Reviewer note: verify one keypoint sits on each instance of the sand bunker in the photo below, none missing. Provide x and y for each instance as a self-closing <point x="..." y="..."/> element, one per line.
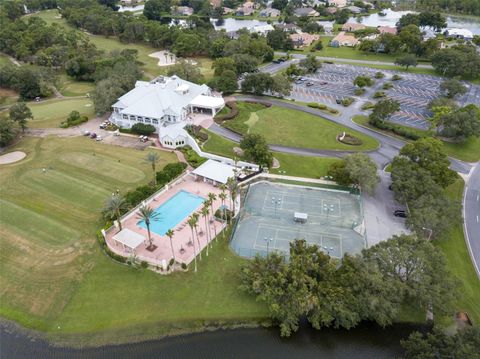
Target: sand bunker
<point x="12" y="157"/>
<point x="165" y="58"/>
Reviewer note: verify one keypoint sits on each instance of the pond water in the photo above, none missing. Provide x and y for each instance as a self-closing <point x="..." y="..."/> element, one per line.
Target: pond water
<point x="391" y="18"/>
<point x="366" y="341"/>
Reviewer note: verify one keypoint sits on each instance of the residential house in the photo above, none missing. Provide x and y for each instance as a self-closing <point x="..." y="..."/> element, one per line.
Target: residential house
<point x="269" y="12"/>
<point x="459" y="34"/>
<point x="331" y="10"/>
<point x="306" y="11"/>
<point x="227" y="10"/>
<point x="355" y="9"/>
<point x="342" y="39"/>
<point x="387" y="30"/>
<point x="327" y="26"/>
<point x="338" y="3"/>
<point x="261" y="29"/>
<point x="303" y="39"/>
<point x="165" y="103"/>
<point x="216" y="3"/>
<point x="183" y="10"/>
<point x="288" y="27"/>
<point x="352" y="27"/>
<point x="246" y="9"/>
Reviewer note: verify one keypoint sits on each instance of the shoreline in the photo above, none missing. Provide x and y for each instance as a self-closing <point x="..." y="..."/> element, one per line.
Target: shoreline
<point x="105" y="338"/>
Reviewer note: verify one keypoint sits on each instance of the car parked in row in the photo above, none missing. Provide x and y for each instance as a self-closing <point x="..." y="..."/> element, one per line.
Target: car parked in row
<point x="400" y="213"/>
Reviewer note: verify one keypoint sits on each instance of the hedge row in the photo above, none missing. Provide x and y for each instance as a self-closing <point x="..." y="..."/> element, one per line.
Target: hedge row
<point x="322" y="107"/>
<point x="232" y="105"/>
<point x="107" y="250"/>
<point x="401" y="131"/>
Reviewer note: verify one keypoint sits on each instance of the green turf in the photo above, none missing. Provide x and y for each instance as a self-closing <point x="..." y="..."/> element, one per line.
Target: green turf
<point x="69" y="87"/>
<point x="468" y="151"/>
<point x="4" y="60"/>
<point x="287" y="127"/>
<point x="291" y="165"/>
<point x="51" y="113"/>
<point x="48" y="220"/>
<point x="53" y="272"/>
<point x="459" y="262"/>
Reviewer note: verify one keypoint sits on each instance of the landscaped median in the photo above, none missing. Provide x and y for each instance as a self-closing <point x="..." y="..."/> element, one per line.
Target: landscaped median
<point x="286" y="127"/>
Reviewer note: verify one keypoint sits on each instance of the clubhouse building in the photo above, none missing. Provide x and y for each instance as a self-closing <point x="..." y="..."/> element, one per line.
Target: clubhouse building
<point x="165" y="103"/>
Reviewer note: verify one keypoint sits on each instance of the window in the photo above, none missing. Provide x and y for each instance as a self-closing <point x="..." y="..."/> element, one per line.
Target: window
<point x="140" y="119"/>
<point x="154" y="121"/>
<point x="147" y="120"/>
<point x="125" y="117"/>
<point x="132" y="118"/>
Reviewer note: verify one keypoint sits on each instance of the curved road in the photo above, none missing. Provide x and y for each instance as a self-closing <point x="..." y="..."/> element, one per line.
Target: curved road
<point x="388" y="149"/>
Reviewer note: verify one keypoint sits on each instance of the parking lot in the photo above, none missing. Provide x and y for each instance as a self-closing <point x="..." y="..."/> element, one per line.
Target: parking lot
<point x="335" y="82"/>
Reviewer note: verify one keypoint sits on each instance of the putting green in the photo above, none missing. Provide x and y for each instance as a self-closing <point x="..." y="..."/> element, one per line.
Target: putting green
<point x="51" y="113"/>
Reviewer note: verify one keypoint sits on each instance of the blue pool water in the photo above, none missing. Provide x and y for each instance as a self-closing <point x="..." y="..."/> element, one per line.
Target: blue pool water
<point x="172" y="212"/>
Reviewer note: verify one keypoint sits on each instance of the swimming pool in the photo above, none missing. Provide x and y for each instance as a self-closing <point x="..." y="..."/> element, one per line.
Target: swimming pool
<point x="172" y="212"/>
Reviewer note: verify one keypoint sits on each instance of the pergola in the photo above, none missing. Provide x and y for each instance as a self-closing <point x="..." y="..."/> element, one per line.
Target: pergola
<point x="129" y="239"/>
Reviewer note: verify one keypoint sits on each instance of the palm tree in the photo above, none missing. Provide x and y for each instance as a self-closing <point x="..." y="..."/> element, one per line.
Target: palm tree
<point x="191" y="223"/>
<point x="195" y="225"/>
<point x="205" y="212"/>
<point x="152" y="158"/>
<point x="147" y="214"/>
<point x="170" y="234"/>
<point x="223" y="197"/>
<point x="232" y="188"/>
<point x="212" y="197"/>
<point x="113" y="208"/>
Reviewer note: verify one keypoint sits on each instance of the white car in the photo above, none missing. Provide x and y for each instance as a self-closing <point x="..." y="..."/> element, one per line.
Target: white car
<point x="99" y="138"/>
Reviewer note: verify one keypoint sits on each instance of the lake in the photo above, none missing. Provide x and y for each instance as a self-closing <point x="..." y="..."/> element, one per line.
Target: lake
<point x="391" y="18"/>
<point x="365" y="341"/>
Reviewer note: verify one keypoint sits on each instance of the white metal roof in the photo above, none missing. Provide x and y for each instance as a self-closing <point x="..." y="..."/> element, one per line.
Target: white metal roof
<point x="172" y="131"/>
<point x="460" y="32"/>
<point x="129" y="238"/>
<point x="163" y="95"/>
<point x="207" y="101"/>
<point x="300" y="215"/>
<point x="216" y="171"/>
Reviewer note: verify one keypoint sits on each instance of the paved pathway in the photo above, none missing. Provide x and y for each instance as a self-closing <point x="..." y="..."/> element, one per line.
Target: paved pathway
<point x="471" y="208"/>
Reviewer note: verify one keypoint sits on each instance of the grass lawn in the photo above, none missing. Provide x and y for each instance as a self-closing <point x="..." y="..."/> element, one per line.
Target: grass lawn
<point x="293" y="165"/>
<point x="69" y="87"/>
<point x="294" y="128"/>
<point x="459" y="262"/>
<point x="468" y="151"/>
<point x="7" y="97"/>
<point x="53" y="272"/>
<point x="51" y="113"/>
<point x="4" y="60"/>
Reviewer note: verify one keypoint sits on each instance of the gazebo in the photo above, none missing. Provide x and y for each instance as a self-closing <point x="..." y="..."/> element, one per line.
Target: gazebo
<point x="129" y="240"/>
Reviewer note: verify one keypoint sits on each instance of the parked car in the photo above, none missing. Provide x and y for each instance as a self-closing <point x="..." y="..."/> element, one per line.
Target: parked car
<point x="338" y="101"/>
<point x="298" y="82"/>
<point x="309" y="84"/>
<point x="99" y="138"/>
<point x="323" y="83"/>
<point x="303" y="79"/>
<point x="86" y="133"/>
<point x="93" y="135"/>
<point x="282" y="59"/>
<point x="390" y="188"/>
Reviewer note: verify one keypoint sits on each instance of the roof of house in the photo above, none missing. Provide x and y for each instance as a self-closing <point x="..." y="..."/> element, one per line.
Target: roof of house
<point x="353" y="26"/>
<point x="325" y="23"/>
<point x="338" y="3"/>
<point x="129" y="238"/>
<point x="387" y="30"/>
<point x="344" y="38"/>
<point x="331" y="10"/>
<point x="459" y="32"/>
<point x="355" y="9"/>
<point x="261" y="28"/>
<point x="172" y="131"/>
<point x="164" y="95"/>
<point x="304" y="11"/>
<point x="216" y="171"/>
<point x="304" y="38"/>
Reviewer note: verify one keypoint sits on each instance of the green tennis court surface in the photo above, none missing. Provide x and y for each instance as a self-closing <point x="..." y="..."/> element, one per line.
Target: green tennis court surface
<point x="267" y="222"/>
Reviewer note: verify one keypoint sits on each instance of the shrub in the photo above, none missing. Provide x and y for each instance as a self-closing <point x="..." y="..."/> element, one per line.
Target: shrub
<point x="171" y="263"/>
<point x="350" y="140"/>
<point x="379" y="75"/>
<point x="379" y="94"/>
<point x="320" y="106"/>
<point x="184" y="266"/>
<point x="139" y="194"/>
<point x="107" y="250"/>
<point x="192" y="157"/>
<point x="232" y="105"/>
<point x="143" y="129"/>
<point x="333" y="111"/>
<point x="359" y="91"/>
<point x="196" y="132"/>
<point x="347" y="101"/>
<point x="401" y="131"/>
<point x="387" y="85"/>
<point x="144" y="264"/>
<point x="396" y="77"/>
<point x="74" y="119"/>
<point x="169" y="172"/>
<point x="125" y="130"/>
<point x="223" y="214"/>
<point x="368" y="106"/>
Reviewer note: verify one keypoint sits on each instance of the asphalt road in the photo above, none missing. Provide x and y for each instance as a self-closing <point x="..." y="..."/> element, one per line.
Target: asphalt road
<point x="471" y="208"/>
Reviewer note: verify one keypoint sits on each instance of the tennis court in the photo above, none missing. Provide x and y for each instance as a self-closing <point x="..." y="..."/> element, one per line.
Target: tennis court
<point x="274" y="214"/>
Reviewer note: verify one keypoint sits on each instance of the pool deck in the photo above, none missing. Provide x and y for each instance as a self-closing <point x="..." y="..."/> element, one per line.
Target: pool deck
<point x="183" y="248"/>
